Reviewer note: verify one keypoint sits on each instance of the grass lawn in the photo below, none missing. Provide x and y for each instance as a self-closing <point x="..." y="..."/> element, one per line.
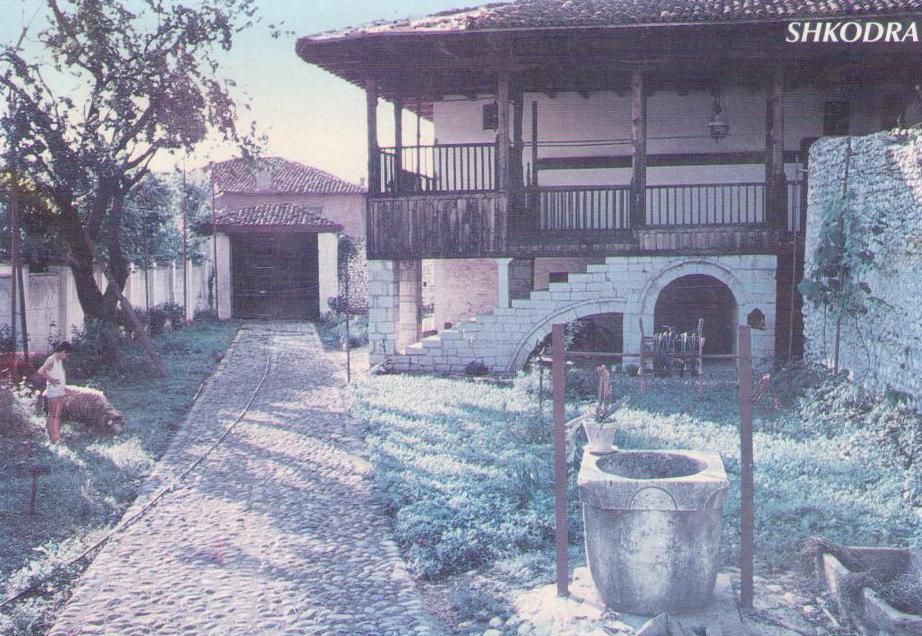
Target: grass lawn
<point x="93" y="476"/>
<point x="465" y="467"/>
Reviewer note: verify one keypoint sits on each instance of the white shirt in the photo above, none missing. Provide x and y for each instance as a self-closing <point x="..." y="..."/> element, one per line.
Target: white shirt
<point x="55" y="371"/>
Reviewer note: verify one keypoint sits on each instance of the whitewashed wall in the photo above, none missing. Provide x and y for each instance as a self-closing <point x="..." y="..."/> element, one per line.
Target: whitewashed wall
<point x="883" y="348"/>
<point x="675" y="124"/>
<point x="53" y="310"/>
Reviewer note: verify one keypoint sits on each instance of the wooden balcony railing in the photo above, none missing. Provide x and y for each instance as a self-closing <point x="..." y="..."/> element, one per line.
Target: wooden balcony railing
<point x="607" y="208"/>
<point x="444" y="168"/>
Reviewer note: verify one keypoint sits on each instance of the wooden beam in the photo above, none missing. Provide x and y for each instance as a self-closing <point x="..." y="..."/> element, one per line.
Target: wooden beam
<point x="776" y="190"/>
<point x="502" y="133"/>
<point x="534" y="143"/>
<point x="398" y="142"/>
<point x="371" y="106"/>
<point x="518" y="132"/>
<point x="639" y="150"/>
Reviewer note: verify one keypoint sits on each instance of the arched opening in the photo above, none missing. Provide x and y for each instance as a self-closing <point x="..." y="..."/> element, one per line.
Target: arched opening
<point x="686" y="300"/>
<point x="602" y="332"/>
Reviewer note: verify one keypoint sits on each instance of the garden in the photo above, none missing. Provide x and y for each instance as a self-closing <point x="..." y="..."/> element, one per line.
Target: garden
<point x="465" y="467"/>
<point x="57" y="500"/>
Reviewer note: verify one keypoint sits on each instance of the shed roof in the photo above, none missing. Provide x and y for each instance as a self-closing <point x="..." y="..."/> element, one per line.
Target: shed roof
<point x="288" y="216"/>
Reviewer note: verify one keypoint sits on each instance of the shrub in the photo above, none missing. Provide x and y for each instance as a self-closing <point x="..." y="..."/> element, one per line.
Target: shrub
<point x="476" y="369"/>
<point x="156" y="320"/>
<point x="6" y="339"/>
<point x="175" y="314"/>
<point x="205" y="315"/>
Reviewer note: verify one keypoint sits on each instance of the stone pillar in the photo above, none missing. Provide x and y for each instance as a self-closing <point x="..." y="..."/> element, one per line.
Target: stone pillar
<point x="382" y="309"/>
<point x="328" y="269"/>
<point x="410" y="303"/>
<point x="223" y="268"/>
<point x="521" y="278"/>
<point x="503" y="278"/>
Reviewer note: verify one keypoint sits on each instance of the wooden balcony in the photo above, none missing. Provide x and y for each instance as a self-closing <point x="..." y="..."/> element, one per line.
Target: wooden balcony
<point x="442" y="202"/>
<point x="594" y="220"/>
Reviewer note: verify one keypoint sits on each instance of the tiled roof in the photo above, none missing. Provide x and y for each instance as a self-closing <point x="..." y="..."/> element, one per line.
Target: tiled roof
<point x="281" y="176"/>
<point x="276" y="215"/>
<point x="530" y="14"/>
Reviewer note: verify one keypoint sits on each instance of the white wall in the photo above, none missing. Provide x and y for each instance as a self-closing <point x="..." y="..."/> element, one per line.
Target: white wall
<point x="53" y="311"/>
<point x="675" y="124"/>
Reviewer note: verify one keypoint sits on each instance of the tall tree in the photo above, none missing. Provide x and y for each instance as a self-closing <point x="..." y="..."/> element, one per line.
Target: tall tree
<point x="146" y="81"/>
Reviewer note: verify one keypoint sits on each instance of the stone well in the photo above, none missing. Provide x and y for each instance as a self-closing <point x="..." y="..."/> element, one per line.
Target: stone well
<point x="653" y="523"/>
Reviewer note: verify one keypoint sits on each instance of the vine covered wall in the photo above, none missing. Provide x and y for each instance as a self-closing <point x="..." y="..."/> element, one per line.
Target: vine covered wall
<point x="877" y="228"/>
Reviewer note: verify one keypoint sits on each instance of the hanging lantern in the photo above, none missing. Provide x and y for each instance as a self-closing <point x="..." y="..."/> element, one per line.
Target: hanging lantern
<point x="718" y="126"/>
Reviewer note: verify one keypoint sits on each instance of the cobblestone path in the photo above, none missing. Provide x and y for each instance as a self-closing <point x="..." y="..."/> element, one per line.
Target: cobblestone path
<point x="274" y="533"/>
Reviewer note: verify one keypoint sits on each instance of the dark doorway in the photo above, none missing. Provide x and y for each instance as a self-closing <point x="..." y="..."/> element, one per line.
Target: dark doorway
<point x="687" y="299"/>
<point x="275" y="276"/>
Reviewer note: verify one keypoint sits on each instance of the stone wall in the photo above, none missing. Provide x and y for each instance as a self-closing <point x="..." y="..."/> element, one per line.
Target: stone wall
<point x="503" y="338"/>
<point x="884" y="347"/>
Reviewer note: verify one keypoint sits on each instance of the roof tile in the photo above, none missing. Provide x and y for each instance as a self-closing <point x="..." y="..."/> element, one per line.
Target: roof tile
<point x="281" y="177"/>
<point x="524" y="14"/>
<point x="275" y="215"/>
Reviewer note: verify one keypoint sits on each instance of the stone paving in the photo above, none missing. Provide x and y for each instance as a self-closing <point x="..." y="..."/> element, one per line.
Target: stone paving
<point x="275" y="533"/>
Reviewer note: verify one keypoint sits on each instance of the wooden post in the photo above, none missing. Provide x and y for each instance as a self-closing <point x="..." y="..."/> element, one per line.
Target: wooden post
<point x="561" y="532"/>
<point x="639" y="144"/>
<point x="534" y="143"/>
<point x="374" y="158"/>
<point x="747" y="515"/>
<point x="502" y="132"/>
<point x="518" y="142"/>
<point x="398" y="143"/>
<point x="776" y="198"/>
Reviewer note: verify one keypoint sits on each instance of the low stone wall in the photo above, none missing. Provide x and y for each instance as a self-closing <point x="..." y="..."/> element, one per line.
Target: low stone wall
<point x="882" y="348"/>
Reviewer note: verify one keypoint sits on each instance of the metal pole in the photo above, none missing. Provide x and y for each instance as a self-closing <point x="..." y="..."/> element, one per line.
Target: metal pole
<point x="747" y="522"/>
<point x="558" y="370"/>
<point x="185" y="245"/>
<point x="793" y="299"/>
<point x="146" y="265"/>
<point x="14" y="264"/>
<point x="214" y="242"/>
<point x="22" y="306"/>
<point x="348" y="335"/>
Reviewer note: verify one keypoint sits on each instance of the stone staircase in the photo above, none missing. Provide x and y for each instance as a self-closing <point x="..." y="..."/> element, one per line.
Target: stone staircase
<point x="502" y="338"/>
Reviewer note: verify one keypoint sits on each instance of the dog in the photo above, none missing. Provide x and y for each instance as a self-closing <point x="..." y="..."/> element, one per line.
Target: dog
<point x="82" y="404"/>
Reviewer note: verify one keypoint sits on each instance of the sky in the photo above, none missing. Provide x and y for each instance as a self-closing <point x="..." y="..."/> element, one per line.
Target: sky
<point x="307" y="114"/>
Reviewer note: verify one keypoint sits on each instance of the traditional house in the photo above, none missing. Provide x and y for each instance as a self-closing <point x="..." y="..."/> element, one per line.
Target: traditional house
<point x="277" y="226"/>
<point x="637" y="162"/>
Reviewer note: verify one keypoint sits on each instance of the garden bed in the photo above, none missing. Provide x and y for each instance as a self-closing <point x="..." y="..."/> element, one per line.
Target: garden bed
<point x="465" y="468"/>
<point x="88" y="481"/>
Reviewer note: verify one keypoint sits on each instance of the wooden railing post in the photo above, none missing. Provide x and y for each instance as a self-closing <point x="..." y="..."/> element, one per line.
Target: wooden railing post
<point x="639" y="146"/>
<point x="776" y="194"/>
<point x="374" y="155"/>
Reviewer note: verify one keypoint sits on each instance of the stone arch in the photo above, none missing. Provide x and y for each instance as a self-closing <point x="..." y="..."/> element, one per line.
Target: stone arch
<point x="698" y="267"/>
<point x="568" y="313"/>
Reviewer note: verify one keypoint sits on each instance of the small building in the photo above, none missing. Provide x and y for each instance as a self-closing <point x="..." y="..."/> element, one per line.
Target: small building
<point x="277" y="225"/>
<point x="630" y="162"/>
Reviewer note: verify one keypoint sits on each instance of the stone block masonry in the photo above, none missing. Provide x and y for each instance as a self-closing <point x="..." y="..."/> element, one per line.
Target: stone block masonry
<point x="882" y="348"/>
<point x="503" y="338"/>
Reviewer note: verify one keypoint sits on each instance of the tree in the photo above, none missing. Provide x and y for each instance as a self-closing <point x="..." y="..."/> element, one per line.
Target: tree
<point x="151" y="86"/>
